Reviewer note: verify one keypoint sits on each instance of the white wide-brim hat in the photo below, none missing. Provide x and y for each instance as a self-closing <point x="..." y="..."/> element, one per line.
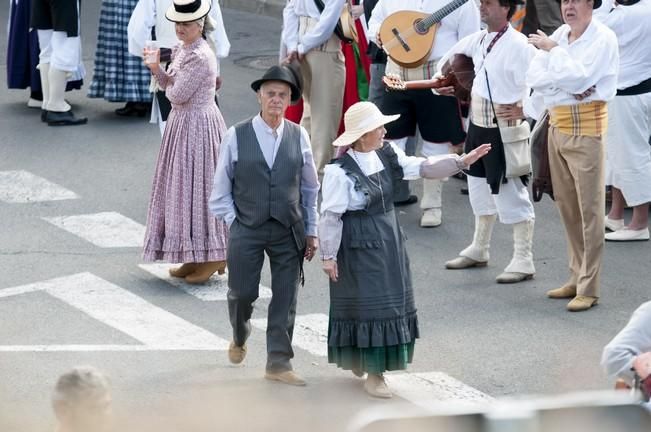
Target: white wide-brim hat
<point x="359" y="119"/>
<point x="187" y="10"/>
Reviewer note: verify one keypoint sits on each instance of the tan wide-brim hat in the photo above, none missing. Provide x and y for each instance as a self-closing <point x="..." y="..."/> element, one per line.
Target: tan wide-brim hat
<point x="359" y="119"/>
<point x="187" y="10"/>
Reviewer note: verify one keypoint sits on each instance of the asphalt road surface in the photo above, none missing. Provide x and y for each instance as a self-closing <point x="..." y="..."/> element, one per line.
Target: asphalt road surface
<point x="74" y="290"/>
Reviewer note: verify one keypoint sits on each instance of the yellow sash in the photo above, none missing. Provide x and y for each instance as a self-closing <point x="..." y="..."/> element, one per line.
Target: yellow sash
<point x="584" y="119"/>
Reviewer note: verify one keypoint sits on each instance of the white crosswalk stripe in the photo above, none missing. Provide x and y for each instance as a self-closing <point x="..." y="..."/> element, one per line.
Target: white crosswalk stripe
<point x="154" y="327"/>
<point x="18" y="187"/>
<point x="106" y="230"/>
<point x="427" y="389"/>
<point x="215" y="289"/>
<point x="310" y="332"/>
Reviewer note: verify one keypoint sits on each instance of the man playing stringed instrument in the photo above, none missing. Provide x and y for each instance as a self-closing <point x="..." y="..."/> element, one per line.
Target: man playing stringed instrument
<point x="438" y="117"/>
<point x="500" y="55"/>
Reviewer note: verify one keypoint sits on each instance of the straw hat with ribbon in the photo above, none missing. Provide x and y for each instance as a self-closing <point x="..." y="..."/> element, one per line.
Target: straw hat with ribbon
<point x="187" y="10"/>
<point x="359" y="119"/>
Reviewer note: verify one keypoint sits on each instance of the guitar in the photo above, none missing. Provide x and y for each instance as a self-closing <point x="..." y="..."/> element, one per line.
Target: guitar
<point x="458" y="72"/>
<point x="408" y="36"/>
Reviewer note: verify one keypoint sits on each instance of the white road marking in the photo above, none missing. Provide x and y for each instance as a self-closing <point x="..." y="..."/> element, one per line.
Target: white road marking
<point x="24" y="187"/>
<point x="107" y="230"/>
<point x="424" y="389"/>
<point x="427" y="389"/>
<point x="215" y="289"/>
<point x="154" y="327"/>
<point x="310" y="332"/>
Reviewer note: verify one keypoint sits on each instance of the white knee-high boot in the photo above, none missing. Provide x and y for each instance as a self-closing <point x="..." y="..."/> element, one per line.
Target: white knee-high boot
<point x="431" y="203"/>
<point x="44" y="71"/>
<point x="521" y="266"/>
<point x="476" y="255"/>
<point x="58" y="80"/>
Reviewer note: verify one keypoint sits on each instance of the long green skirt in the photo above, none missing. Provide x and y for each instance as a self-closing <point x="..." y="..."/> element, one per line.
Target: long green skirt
<point x="375" y="360"/>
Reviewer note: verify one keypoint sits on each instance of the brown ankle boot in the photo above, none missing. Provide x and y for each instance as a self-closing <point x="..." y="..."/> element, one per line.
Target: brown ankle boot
<point x="183" y="270"/>
<point x="203" y="271"/>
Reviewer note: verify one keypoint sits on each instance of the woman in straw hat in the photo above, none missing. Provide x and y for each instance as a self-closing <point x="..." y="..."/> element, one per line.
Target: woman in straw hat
<point x="180" y="228"/>
<point x="373" y="323"/>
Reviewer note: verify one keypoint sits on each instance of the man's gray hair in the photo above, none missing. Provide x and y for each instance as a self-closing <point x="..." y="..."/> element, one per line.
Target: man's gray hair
<point x="80" y="383"/>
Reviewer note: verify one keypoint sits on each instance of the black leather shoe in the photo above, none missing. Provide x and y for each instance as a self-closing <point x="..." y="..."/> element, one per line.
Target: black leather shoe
<point x="133" y="109"/>
<point x="66" y="118"/>
<point x="43" y="115"/>
<point x="413" y="199"/>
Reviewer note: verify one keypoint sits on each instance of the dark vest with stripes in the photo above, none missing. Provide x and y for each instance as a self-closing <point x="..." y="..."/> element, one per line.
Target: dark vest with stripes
<point x="261" y="193"/>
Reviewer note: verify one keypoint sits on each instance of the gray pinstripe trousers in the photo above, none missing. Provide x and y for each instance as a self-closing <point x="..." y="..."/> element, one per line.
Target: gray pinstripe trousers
<point x="246" y="249"/>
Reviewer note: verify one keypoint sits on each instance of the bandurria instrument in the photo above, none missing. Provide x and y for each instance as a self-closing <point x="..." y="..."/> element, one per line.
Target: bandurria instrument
<point x="458" y="72"/>
<point x="408" y="36"/>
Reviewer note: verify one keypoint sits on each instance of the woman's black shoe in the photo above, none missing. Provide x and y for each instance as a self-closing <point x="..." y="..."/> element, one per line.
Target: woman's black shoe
<point x="134" y="109"/>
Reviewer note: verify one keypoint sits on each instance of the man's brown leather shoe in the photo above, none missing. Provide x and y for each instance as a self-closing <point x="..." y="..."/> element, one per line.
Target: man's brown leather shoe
<point x="566" y="291"/>
<point x="286" y="377"/>
<point x="581" y="303"/>
<point x="236" y="353"/>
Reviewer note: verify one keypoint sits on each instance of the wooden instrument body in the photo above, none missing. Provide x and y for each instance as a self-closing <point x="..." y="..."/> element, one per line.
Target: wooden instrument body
<point x="458" y="72"/>
<point x="401" y="40"/>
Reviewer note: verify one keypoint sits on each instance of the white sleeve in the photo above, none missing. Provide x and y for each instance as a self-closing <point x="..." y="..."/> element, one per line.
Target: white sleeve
<point x="576" y="76"/>
<point x="465" y="46"/>
<point x="143" y="19"/>
<point x="219" y="36"/>
<point x="323" y="30"/>
<point x="632" y="340"/>
<point x="375" y="22"/>
<point x="289" y="36"/>
<point x="335" y="190"/>
<point x="410" y="164"/>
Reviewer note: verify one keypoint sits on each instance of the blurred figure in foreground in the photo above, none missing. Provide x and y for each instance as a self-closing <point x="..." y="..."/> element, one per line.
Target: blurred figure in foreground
<point x="628" y="356"/>
<point x="82" y="401"/>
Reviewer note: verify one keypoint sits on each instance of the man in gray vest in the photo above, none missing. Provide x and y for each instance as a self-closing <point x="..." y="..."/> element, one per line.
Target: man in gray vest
<point x="266" y="189"/>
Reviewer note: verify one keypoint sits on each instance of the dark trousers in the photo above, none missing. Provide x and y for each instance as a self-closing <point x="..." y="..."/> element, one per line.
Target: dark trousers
<point x="246" y="249"/>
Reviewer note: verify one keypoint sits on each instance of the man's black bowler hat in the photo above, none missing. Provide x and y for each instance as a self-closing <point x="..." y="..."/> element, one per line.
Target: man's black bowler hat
<point x="283" y="74"/>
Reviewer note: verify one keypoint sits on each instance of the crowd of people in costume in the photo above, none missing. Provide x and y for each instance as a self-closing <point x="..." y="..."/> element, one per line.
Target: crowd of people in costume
<point x="226" y="197"/>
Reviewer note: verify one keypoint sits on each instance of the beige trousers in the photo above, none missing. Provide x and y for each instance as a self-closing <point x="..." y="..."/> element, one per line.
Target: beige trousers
<point x="324" y="78"/>
<point x="577" y="170"/>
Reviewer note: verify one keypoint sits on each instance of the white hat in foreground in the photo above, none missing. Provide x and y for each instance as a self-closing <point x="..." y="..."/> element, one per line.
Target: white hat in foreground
<point x="359" y="119"/>
<point x="187" y="10"/>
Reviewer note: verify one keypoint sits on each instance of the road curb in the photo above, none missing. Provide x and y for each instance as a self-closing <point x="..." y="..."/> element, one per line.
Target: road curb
<point x="272" y="8"/>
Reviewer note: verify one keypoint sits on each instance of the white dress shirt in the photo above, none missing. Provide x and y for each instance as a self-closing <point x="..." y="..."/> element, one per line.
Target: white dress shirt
<point x="506" y="64"/>
<point x="319" y="34"/>
<point x="454" y="27"/>
<point x="632" y="25"/>
<point x="221" y="199"/>
<point x="572" y="68"/>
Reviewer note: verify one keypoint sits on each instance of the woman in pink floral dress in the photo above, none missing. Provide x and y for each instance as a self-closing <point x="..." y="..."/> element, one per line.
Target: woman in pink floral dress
<point x="180" y="228"/>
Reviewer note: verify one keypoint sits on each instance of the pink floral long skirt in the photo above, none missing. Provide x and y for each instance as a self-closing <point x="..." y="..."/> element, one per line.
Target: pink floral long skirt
<point x="180" y="227"/>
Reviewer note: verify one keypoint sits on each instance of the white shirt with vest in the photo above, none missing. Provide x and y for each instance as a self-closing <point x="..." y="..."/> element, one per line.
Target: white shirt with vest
<point x="221" y="200"/>
<point x="319" y="34"/>
<point x="572" y="68"/>
<point x="506" y="64"/>
<point x="457" y="25"/>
